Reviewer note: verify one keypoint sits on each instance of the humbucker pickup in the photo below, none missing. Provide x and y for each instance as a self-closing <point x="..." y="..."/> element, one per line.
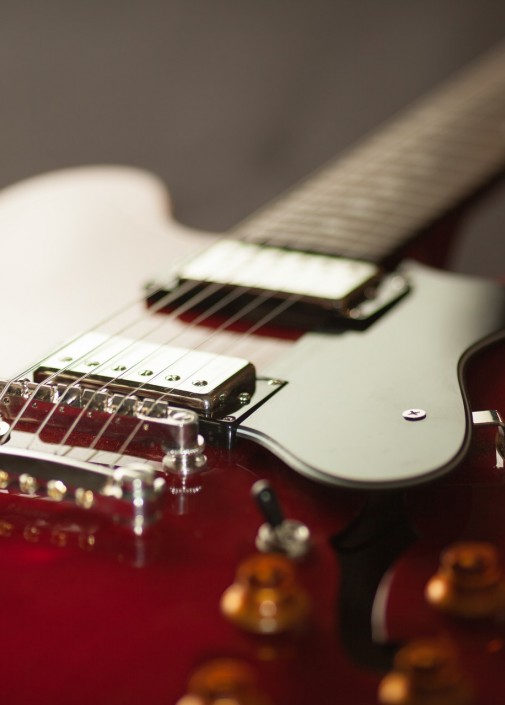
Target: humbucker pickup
<point x="301" y="288"/>
<point x="212" y="385"/>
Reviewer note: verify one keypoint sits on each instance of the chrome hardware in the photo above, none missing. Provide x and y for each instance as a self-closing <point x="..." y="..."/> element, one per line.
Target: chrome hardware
<point x="184" y="446"/>
<point x="206" y="383"/>
<point x="278" y="535"/>
<point x="414" y="414"/>
<point x="487" y="418"/>
<point x="131" y="495"/>
<point x="328" y="281"/>
<point x="313" y="284"/>
<point x="493" y="418"/>
<point x="290" y="537"/>
<point x="5" y="431"/>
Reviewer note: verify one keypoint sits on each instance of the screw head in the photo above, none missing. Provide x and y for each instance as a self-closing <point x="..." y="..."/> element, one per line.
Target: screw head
<point x="414" y="414"/>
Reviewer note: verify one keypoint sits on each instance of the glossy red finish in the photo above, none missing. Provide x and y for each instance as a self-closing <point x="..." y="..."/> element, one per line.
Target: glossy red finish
<point x="91" y="614"/>
<point x="86" y="619"/>
<point x="467" y="505"/>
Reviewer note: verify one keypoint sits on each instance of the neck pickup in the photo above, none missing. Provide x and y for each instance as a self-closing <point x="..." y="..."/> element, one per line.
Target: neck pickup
<point x="273" y="285"/>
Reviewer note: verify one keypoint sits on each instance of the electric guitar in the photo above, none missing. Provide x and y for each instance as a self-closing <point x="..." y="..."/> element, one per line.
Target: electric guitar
<point x="236" y="486"/>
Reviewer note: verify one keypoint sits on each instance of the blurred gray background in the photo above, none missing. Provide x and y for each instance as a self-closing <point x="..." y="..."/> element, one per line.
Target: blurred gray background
<point x="228" y="101"/>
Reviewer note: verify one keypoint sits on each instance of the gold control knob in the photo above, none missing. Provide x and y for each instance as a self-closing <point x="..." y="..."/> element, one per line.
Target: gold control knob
<point x="265" y="597"/>
<point x="223" y="682"/>
<point x="470" y="581"/>
<point x="425" y="672"/>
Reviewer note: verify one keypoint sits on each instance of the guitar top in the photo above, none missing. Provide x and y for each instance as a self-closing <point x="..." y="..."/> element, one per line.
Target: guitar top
<point x="265" y="468"/>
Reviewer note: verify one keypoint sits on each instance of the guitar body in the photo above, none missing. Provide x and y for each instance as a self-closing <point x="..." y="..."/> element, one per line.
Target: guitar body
<point x="93" y="613"/>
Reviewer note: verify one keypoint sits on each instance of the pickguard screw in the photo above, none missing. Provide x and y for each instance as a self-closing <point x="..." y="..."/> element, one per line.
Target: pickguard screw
<point x="172" y="378"/>
<point x="200" y="383"/>
<point x="414" y="414"/>
<point x="274" y="382"/>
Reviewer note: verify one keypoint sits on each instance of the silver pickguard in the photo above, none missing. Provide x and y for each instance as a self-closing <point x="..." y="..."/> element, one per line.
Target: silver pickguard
<point x="340" y="418"/>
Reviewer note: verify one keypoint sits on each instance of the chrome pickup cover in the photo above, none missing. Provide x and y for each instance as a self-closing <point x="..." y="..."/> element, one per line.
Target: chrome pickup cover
<point x="203" y="382"/>
<point x="329" y="282"/>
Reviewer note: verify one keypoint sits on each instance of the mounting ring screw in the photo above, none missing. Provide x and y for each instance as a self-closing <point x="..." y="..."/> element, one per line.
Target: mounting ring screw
<point x="414" y="414"/>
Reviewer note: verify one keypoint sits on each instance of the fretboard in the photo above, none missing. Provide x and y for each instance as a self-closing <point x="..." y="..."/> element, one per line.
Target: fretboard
<point x="400" y="179"/>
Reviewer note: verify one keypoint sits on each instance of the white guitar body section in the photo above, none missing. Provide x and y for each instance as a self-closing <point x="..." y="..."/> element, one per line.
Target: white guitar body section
<point x="79" y="245"/>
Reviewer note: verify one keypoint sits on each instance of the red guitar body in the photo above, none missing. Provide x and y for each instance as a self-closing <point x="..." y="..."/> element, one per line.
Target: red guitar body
<point x="91" y="613"/>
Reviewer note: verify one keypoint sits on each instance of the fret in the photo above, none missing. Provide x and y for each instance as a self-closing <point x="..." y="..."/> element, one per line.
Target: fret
<point x="337" y="226"/>
<point x="400" y="178"/>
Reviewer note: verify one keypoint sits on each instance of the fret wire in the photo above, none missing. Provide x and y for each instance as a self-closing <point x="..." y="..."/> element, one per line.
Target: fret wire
<point x="464" y="139"/>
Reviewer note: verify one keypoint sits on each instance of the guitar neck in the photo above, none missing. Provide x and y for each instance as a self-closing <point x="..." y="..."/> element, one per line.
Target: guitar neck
<point x="372" y="200"/>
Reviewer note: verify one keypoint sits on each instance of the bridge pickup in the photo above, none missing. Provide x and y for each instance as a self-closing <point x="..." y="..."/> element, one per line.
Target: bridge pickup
<point x="212" y="385"/>
<point x="314" y="288"/>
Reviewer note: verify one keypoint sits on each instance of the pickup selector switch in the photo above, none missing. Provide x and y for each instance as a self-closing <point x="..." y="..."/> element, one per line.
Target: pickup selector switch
<point x="278" y="535"/>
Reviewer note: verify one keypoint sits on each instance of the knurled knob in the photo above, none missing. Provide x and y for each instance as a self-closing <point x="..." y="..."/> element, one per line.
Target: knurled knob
<point x="426" y="672"/>
<point x="266" y="597"/>
<point x="470" y="581"/>
<point x="222" y="681"/>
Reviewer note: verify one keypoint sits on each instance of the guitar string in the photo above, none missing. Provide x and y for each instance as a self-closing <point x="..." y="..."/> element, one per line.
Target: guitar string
<point x="282" y="307"/>
<point x="482" y="86"/>
<point x="208" y="290"/>
<point x="85" y="356"/>
<point x="278" y="310"/>
<point x="137" y="363"/>
<point x="205" y="314"/>
<point x="253" y="328"/>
